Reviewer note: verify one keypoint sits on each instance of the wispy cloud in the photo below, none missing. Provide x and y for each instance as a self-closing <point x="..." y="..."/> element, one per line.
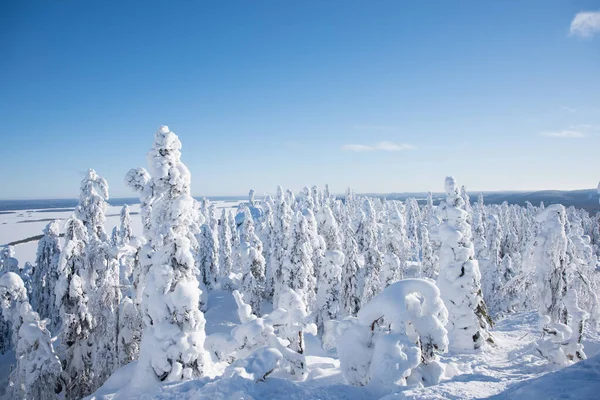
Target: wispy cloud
<point x="567" y="134"/>
<point x="585" y="24"/>
<point x="568" y="109"/>
<point x="381" y="146"/>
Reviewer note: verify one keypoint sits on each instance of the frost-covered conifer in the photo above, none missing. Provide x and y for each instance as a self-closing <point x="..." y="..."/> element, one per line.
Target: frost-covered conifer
<point x="329" y="229"/>
<point x="37" y="374"/>
<point x="208" y="254"/>
<point x="45" y="275"/>
<point x="172" y="347"/>
<point x="125" y="230"/>
<point x="413" y="224"/>
<point x="479" y="233"/>
<point x="297" y="271"/>
<point x="72" y="297"/>
<point x="129" y="333"/>
<point x="139" y="180"/>
<point x="252" y="264"/>
<point x="91" y="209"/>
<point x="429" y="260"/>
<point x="459" y="277"/>
<point x="225" y="252"/>
<point x="396" y="338"/>
<point x="279" y="242"/>
<point x="373" y="258"/>
<point x="328" y="289"/>
<point x="351" y="272"/>
<point x="558" y="306"/>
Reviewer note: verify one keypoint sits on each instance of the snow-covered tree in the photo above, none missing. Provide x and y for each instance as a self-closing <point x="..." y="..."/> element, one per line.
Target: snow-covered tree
<point x="351" y="272"/>
<point x="208" y="255"/>
<point x="373" y="258"/>
<point x="396" y="338"/>
<point x="72" y="297"/>
<point x="140" y="181"/>
<point x="429" y="260"/>
<point x="297" y="271"/>
<point x="558" y="306"/>
<point x="37" y="374"/>
<point x="129" y="332"/>
<point x="459" y="277"/>
<point x="125" y="229"/>
<point x="252" y="264"/>
<point x="45" y="275"/>
<point x="225" y="250"/>
<point x="328" y="289"/>
<point x="172" y="347"/>
<point x="91" y="208"/>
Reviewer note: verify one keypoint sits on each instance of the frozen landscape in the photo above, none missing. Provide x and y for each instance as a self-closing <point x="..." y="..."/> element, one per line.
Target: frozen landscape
<point x="297" y="295"/>
<point x="363" y="200"/>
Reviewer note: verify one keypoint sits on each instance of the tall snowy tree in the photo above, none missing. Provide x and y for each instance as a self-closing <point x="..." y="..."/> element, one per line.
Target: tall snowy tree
<point x="298" y="269"/>
<point x="225" y="251"/>
<point x="172" y="347"/>
<point x="72" y="297"/>
<point x="328" y="290"/>
<point x="37" y="374"/>
<point x="557" y="305"/>
<point x="252" y="264"/>
<point x="459" y="277"/>
<point x="45" y="275"/>
<point x="279" y="242"/>
<point x="91" y="209"/>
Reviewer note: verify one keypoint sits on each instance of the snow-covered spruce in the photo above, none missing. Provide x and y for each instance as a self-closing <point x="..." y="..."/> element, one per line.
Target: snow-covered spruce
<point x="328" y="289"/>
<point x="37" y="375"/>
<point x="72" y="298"/>
<point x="91" y="209"/>
<point x="459" y="277"/>
<point x="396" y="338"/>
<point x="252" y="264"/>
<point x="172" y="346"/>
<point x="45" y="275"/>
<point x="558" y="307"/>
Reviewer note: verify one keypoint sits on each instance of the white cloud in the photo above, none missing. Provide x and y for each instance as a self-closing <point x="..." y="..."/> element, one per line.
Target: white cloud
<point x="585" y="24"/>
<point x="568" y="109"/>
<point x="564" y="134"/>
<point x="381" y="146"/>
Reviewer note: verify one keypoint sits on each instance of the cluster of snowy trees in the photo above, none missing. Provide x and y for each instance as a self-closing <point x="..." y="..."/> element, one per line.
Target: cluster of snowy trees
<point x="389" y="285"/>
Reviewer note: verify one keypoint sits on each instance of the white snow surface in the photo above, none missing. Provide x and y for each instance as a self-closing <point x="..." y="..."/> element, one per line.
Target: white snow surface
<point x="511" y="369"/>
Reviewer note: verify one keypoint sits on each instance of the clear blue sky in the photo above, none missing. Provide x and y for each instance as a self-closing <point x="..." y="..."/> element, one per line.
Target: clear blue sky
<point x="261" y="93"/>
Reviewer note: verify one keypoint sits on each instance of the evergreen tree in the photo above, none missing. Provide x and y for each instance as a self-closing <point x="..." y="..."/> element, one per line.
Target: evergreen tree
<point x="45" y="275"/>
<point x="459" y="277"/>
<point x="173" y="339"/>
<point x="37" y="374"/>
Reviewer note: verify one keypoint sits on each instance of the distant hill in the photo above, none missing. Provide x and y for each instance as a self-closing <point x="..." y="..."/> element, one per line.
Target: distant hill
<point x="585" y="198"/>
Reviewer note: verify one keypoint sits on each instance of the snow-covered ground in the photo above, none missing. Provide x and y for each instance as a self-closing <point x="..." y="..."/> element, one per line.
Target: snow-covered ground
<point x="511" y="369"/>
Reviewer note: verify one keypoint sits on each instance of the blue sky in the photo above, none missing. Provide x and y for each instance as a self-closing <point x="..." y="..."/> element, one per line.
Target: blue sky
<point x="381" y="96"/>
